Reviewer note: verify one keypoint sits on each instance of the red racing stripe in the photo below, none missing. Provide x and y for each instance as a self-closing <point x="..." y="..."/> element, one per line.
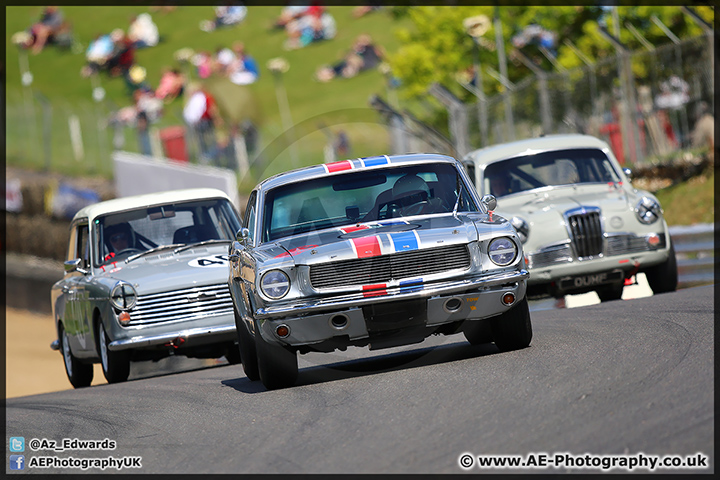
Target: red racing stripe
<point x="374" y="290"/>
<point x="367" y="246"/>
<point x="339" y="166"/>
<point x="354" y="229"/>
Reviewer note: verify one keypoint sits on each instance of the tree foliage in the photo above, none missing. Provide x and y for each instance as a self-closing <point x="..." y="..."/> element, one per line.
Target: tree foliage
<point x="437" y="47"/>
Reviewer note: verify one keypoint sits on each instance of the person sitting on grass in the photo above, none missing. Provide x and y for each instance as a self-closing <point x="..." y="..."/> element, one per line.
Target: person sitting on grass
<point x="363" y="56"/>
<point x="50" y="29"/>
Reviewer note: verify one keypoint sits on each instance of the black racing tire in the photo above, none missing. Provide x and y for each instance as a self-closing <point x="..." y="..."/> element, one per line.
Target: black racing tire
<point x="247" y="350"/>
<point x="512" y="330"/>
<point x="115" y="364"/>
<point x="478" y="332"/>
<point x="232" y="354"/>
<point x="612" y="292"/>
<point x="277" y="365"/>
<point x="80" y="374"/>
<point x="663" y="278"/>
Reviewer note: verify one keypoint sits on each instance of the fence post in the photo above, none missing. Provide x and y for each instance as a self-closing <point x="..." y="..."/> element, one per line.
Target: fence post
<point x="47" y="129"/>
<point x="545" y="113"/>
<point x="458" y="117"/>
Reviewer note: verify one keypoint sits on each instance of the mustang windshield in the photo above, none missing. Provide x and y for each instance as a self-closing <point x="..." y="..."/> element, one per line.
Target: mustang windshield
<point x="131" y="232"/>
<point x="365" y="196"/>
<point x="558" y="167"/>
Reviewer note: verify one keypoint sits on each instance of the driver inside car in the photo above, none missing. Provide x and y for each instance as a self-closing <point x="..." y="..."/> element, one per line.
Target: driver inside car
<point x="119" y="237"/>
<point x="411" y="193"/>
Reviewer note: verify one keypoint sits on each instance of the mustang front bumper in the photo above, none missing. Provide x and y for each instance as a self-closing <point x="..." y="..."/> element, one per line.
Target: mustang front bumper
<point x="314" y="321"/>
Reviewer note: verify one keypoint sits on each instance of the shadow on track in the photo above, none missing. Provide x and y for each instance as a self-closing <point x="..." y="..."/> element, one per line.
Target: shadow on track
<point x="370" y="366"/>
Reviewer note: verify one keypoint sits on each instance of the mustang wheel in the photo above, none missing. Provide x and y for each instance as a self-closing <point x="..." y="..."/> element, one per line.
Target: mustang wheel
<point x="248" y="352"/>
<point x="277" y="365"/>
<point x="611" y="292"/>
<point x="477" y="332"/>
<point x="512" y="330"/>
<point x="232" y="354"/>
<point x="664" y="277"/>
<point x="115" y="365"/>
<point x="80" y="374"/>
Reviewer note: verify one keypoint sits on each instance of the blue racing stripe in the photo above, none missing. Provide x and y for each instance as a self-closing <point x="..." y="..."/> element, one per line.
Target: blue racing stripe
<point x="404" y="241"/>
<point x="373" y="161"/>
<point x="413" y="285"/>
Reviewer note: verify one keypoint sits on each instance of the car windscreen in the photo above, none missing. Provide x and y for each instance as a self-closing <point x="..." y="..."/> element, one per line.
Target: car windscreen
<point x="119" y="235"/>
<point x="558" y="167"/>
<point x="363" y="196"/>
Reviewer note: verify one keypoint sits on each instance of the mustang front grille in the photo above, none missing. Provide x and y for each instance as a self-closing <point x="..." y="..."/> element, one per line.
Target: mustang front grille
<point x="384" y="268"/>
<point x="586" y="233"/>
<point x="178" y="305"/>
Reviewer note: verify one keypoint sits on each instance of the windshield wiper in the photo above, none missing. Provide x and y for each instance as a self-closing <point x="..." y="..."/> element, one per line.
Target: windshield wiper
<point x="457" y="201"/>
<point x="198" y="244"/>
<point x="152" y="250"/>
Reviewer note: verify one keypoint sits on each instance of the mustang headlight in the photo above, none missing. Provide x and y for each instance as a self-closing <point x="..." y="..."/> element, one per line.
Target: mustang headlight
<point x="123" y="296"/>
<point x="502" y="251"/>
<point x="275" y="284"/>
<point x="648" y="210"/>
<point x="522" y="227"/>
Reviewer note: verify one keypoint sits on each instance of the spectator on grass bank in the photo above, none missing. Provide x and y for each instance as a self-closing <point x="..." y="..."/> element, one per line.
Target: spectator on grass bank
<point x="50" y="29"/>
<point x="202" y="116"/>
<point x="362" y="10"/>
<point x="313" y="26"/>
<point x="703" y="134"/>
<point x="243" y="70"/>
<point x="363" y="56"/>
<point x="113" y="53"/>
<point x="224" y="16"/>
<point x="341" y="144"/>
<point x="172" y="83"/>
<point x="143" y="32"/>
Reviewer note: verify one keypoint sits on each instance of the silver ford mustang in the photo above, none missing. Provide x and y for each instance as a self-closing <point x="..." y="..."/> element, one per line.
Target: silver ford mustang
<point x="146" y="277"/>
<point x="379" y="252"/>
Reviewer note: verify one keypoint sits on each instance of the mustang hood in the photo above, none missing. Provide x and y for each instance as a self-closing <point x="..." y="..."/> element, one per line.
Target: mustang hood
<point x="165" y="270"/>
<point x="380" y="238"/>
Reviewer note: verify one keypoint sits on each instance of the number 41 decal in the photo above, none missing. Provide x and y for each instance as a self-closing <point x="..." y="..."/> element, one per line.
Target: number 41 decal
<point x="209" y="262"/>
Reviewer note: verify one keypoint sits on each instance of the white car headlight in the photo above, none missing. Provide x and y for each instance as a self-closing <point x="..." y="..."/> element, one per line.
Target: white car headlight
<point x="123" y="296"/>
<point x="275" y="284"/>
<point x="502" y="251"/>
<point x="522" y="228"/>
<point x="648" y="210"/>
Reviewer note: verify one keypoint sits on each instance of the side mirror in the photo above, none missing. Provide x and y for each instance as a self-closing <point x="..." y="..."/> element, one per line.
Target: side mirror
<point x="489" y="201"/>
<point x="74" y="266"/>
<point x="628" y="174"/>
<point x="242" y="236"/>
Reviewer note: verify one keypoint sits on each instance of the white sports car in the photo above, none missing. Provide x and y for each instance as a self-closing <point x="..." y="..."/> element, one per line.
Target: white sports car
<point x="583" y="225"/>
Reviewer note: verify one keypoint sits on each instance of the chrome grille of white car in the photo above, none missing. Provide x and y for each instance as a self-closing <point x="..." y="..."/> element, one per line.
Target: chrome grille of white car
<point x="181" y="305"/>
<point x="586" y="233"/>
<point x="384" y="268"/>
<point x="550" y="256"/>
<point x="629" y="243"/>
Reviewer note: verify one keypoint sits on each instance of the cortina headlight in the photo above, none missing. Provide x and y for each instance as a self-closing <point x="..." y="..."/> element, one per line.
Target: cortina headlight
<point x="522" y="228"/>
<point x="502" y="251"/>
<point x="123" y="296"/>
<point x="648" y="210"/>
<point x="275" y="284"/>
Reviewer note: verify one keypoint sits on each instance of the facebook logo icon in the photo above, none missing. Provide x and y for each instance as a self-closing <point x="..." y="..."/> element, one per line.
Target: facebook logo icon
<point x="17" y="462"/>
<point x="17" y="444"/>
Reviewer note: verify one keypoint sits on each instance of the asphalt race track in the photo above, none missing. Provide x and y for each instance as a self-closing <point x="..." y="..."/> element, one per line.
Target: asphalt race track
<point x="623" y="378"/>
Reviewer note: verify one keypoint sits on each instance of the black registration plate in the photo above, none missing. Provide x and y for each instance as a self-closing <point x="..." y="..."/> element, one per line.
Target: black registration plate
<point x="585" y="281"/>
<point x="384" y="317"/>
